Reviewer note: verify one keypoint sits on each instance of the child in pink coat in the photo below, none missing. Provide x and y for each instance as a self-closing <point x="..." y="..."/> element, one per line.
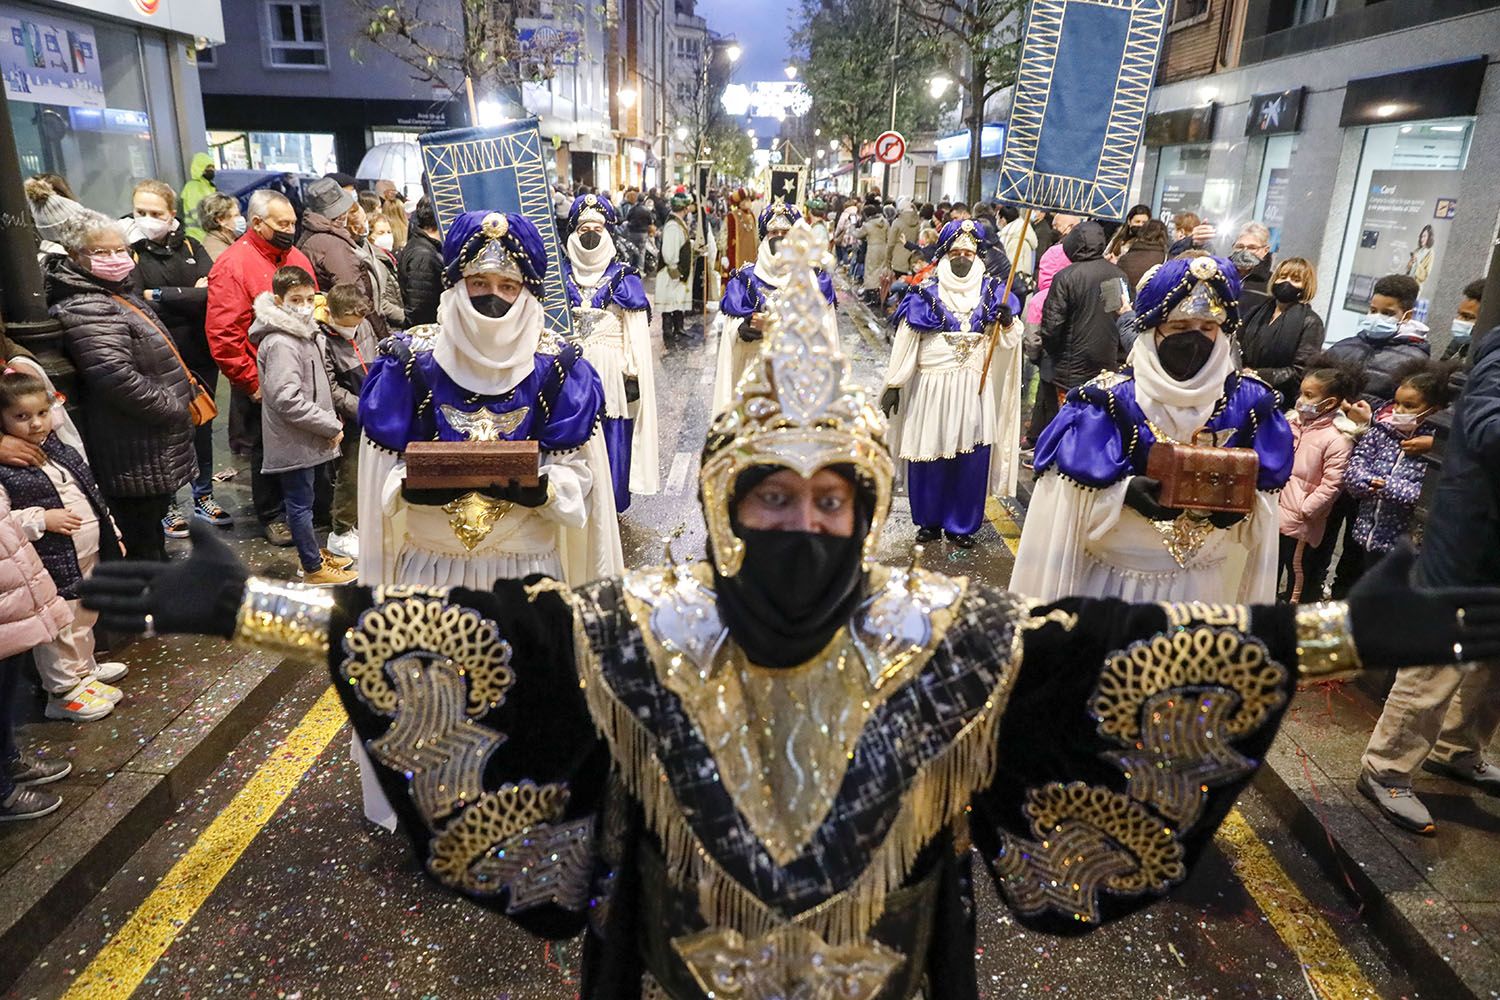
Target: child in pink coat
<point x="31" y="614"/>
<point x="1322" y="454"/>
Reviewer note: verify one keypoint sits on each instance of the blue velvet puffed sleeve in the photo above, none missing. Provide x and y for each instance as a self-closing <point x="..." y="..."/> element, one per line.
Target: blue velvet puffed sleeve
<point x="574" y="396"/>
<point x="1266" y="430"/>
<point x="740" y="299"/>
<point x="919" y="309"/>
<point x="628" y="293"/>
<point x="1083" y="442"/>
<point x="387" y="401"/>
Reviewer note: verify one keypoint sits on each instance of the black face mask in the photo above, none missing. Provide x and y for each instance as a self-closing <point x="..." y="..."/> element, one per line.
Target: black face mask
<point x="208" y="173"/>
<point x="280" y="240"/>
<point x="960" y="266"/>
<point x="773" y="242"/>
<point x="1183" y="355"/>
<point x="492" y="306"/>
<point x="1286" y="293"/>
<point x="794" y="590"/>
<point x="590" y="238"/>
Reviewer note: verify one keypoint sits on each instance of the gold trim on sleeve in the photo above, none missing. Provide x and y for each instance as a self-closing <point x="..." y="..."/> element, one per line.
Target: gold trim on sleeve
<point x="1325" y="642"/>
<point x="292" y="619"/>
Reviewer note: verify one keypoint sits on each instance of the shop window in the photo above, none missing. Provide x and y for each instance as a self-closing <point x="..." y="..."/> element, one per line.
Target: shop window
<point x="208" y="57"/>
<point x="294" y="34"/>
<point x="1187" y="11"/>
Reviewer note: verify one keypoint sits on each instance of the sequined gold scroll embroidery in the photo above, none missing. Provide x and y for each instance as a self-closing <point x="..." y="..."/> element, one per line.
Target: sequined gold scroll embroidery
<point x="785" y="965"/>
<point x="1184" y="536"/>
<point x="1188" y="613"/>
<point x="1325" y="645"/>
<point x="288" y="618"/>
<point x="510" y="810"/>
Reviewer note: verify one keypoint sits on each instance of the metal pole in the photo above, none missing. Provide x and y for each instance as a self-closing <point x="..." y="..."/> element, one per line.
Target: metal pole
<point x="885" y="190"/>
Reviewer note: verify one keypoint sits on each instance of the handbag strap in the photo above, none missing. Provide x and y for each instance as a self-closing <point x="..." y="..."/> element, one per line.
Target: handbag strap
<point x="192" y="379"/>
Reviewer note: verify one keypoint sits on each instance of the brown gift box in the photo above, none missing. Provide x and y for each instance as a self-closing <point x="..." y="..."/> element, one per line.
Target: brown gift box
<point x="1198" y="477"/>
<point x="471" y="464"/>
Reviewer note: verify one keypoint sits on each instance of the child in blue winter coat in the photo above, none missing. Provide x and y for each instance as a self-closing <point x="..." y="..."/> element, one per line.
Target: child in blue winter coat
<point x="1388" y="466"/>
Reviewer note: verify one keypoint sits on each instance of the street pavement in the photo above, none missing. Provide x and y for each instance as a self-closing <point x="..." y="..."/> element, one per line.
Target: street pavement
<point x="266" y="881"/>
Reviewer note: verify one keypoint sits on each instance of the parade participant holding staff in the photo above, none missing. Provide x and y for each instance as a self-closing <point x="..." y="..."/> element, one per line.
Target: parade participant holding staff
<point x="584" y="760"/>
<point x="746" y="296"/>
<point x="958" y="431"/>
<point x="1095" y="524"/>
<point x="612" y="323"/>
<point x="680" y="254"/>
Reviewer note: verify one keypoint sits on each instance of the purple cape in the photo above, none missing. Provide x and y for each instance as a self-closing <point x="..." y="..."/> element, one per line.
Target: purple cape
<point x="745" y="293"/>
<point x="924" y="310"/>
<point x="1100" y="436"/>
<point x="405" y="392"/>
<point x="621" y="286"/>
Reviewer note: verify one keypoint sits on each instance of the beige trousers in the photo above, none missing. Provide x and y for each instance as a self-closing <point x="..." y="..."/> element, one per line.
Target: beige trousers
<point x="1448" y="713"/>
<point x="69" y="658"/>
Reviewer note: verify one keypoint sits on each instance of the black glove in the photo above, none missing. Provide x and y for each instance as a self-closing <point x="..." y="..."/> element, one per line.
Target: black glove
<point x="1226" y="518"/>
<point x="201" y="595"/>
<point x="890" y="400"/>
<point x="632" y="388"/>
<point x="1396" y="624"/>
<point x="1143" y="494"/>
<point x="526" y="496"/>
<point x="1006" y="317"/>
<point x="748" y="333"/>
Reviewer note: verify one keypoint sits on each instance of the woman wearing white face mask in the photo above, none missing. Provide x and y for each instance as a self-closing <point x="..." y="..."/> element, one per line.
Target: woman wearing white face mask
<point x="373" y="240"/>
<point x="222" y="223"/>
<point x="171" y="273"/>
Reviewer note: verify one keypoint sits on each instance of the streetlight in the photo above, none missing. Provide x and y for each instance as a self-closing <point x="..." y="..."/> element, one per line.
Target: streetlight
<point x="791" y="72"/>
<point x="817" y="132"/>
<point x="682" y="133"/>
<point x="938" y="86"/>
<point x="733" y="52"/>
<point x="750" y="132"/>
<point x="627" y="98"/>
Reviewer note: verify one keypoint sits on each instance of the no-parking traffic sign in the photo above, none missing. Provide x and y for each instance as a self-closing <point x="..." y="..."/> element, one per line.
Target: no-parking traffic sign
<point x="890" y="147"/>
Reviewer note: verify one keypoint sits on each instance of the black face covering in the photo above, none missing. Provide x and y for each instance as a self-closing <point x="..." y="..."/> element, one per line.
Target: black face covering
<point x="794" y="590"/>
<point x="590" y="238"/>
<point x="208" y="173"/>
<point x="282" y="241"/>
<point x="492" y="306"/>
<point x="960" y="266"/>
<point x="1183" y="355"/>
<point x="1286" y="293"/>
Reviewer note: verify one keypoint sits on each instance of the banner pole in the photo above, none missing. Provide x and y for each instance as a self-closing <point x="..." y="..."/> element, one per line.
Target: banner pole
<point x="1004" y="297"/>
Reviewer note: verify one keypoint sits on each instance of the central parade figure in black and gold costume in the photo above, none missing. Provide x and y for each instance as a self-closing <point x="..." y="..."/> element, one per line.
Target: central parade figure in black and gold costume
<point x="758" y="776"/>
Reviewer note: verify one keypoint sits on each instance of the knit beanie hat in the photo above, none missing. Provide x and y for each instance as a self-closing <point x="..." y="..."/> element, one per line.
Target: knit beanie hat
<point x="49" y="210"/>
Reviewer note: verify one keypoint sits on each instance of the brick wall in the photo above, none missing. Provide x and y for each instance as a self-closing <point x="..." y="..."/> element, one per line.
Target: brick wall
<point x="1192" y="46"/>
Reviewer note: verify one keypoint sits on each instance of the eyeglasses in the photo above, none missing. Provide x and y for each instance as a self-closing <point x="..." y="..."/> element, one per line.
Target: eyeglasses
<point x="101" y="253"/>
<point x="1253" y="247"/>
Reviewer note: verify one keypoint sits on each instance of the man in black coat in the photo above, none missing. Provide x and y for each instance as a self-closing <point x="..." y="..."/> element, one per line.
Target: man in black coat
<point x="1441" y="718"/>
<point x="1080" y="338"/>
<point x="419" y="269"/>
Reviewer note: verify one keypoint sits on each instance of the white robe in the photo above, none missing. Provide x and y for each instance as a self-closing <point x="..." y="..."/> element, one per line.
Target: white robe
<point x="735" y="355"/>
<point x="676" y="295"/>
<point x="942" y="412"/>
<point x="1086" y="542"/>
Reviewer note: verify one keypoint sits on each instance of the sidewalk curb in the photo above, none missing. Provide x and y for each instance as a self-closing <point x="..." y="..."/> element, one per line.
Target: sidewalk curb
<point x="59" y="877"/>
<point x="1401" y="908"/>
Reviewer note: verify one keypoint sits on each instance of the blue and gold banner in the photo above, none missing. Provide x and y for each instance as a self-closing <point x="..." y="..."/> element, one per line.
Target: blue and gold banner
<point x="499" y="169"/>
<point x="1080" y="104"/>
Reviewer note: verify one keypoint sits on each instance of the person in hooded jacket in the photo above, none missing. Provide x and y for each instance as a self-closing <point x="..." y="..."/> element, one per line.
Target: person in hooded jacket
<point x="1079" y="335"/>
<point x="199" y="186"/>
<point x="419" y="268"/>
<point x="171" y="273"/>
<point x="135" y="394"/>
<point x="330" y="242"/>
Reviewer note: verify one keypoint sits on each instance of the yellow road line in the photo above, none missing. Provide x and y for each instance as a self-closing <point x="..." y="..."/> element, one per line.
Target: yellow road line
<point x="1329" y="967"/>
<point x="1010" y="531"/>
<point x="140" y="942"/>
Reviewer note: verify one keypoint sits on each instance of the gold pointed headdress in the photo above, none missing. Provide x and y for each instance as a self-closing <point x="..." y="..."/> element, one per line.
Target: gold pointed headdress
<point x="796" y="407"/>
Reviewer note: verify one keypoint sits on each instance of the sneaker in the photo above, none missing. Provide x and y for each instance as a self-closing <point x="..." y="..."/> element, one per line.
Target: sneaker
<point x="28" y="770"/>
<point x="344" y="543"/>
<point x="1399" y="803"/>
<point x="277" y="533"/>
<point x="108" y="692"/>
<point x="28" y="803"/>
<point x="327" y="575"/>
<point x="110" y="671"/>
<point x="174" y="525"/>
<point x="1481" y="773"/>
<point x="208" y="509"/>
<point x="78" y="706"/>
<point x="335" y="560"/>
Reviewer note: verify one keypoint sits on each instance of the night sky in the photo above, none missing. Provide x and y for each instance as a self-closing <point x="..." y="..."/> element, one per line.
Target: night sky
<point x="763" y="30"/>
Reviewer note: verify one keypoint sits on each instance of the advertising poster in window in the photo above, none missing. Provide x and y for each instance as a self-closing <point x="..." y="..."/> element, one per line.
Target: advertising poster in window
<point x="48" y="60"/>
<point x="1405" y="230"/>
<point x="1274" y="214"/>
<point x="1180" y="193"/>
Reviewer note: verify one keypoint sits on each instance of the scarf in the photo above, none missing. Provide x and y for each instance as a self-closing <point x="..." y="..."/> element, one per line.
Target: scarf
<point x="1178" y="408"/>
<point x="485" y="355"/>
<point x="589" y="265"/>
<point x="769" y="267"/>
<point x="962" y="295"/>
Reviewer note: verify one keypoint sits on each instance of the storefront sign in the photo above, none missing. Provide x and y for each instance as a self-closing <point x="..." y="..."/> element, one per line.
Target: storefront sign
<point x="1182" y="126"/>
<point x="49" y="60"/>
<point x="1272" y="114"/>
<point x="956" y="146"/>
<point x="1446" y="90"/>
<point x="1405" y="230"/>
<point x="193" y="18"/>
<point x="1181" y="193"/>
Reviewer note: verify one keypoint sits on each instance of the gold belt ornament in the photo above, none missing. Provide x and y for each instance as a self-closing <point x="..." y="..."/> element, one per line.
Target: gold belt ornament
<point x="473" y="516"/>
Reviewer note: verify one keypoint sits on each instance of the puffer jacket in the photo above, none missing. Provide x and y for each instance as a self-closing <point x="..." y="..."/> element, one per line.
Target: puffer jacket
<point x="337" y="259"/>
<point x="1385" y="514"/>
<point x="1078" y="335"/>
<point x="1053" y="260"/>
<point x="298" y="421"/>
<point x="1322" y="455"/>
<point x="31" y="612"/>
<point x="135" y="394"/>
<point x="173" y="269"/>
<point x="1379" y="357"/>
<point x="420" y="272"/>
